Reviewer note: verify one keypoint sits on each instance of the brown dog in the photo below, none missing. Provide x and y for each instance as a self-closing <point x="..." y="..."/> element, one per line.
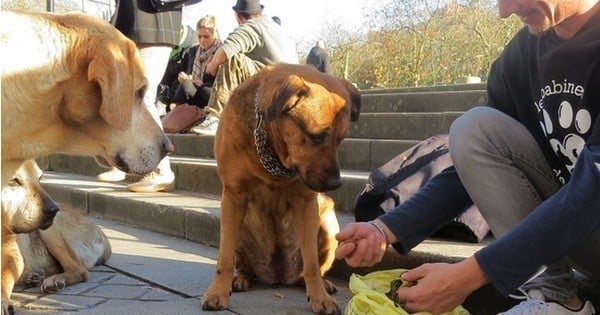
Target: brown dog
<point x="72" y="83"/>
<point x="35" y="254"/>
<point x="276" y="147"/>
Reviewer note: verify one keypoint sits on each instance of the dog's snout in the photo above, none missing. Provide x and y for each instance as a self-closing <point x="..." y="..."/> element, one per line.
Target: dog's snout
<point x="330" y="183"/>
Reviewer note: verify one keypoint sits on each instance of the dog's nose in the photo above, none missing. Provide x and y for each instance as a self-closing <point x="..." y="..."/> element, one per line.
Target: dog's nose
<point x="50" y="211"/>
<point x="334" y="183"/>
<point x="50" y="207"/>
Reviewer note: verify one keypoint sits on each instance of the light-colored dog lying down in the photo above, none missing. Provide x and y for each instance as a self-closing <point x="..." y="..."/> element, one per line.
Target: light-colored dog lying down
<point x="37" y="253"/>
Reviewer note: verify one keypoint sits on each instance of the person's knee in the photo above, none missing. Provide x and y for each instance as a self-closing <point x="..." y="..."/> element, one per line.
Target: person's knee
<point x="473" y="120"/>
<point x="466" y="129"/>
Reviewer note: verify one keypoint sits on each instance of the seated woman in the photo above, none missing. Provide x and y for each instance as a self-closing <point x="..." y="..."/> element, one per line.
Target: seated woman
<point x="194" y="85"/>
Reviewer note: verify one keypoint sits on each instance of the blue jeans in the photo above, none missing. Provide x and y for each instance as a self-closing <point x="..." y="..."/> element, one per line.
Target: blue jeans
<point x="507" y="176"/>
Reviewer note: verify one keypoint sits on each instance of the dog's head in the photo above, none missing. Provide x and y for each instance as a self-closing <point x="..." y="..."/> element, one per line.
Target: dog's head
<point x="308" y="114"/>
<point x="78" y="91"/>
<point x="114" y="75"/>
<point x="25" y="204"/>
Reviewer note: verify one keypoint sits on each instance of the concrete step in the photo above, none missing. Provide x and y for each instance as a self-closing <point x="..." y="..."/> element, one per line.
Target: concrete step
<point x="430" y="88"/>
<point x="354" y="154"/>
<point x="199" y="175"/>
<point x="413" y="126"/>
<point x="402" y="125"/>
<point x="438" y="101"/>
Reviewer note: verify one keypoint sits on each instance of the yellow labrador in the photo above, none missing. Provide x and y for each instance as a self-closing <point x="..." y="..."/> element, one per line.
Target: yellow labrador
<point x="73" y="84"/>
<point x="26" y="207"/>
<point x="34" y="252"/>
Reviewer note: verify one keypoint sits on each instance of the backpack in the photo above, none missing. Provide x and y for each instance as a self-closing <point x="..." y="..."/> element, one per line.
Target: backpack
<point x="398" y="179"/>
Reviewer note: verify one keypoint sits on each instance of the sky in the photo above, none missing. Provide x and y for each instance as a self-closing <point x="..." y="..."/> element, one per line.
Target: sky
<point x="303" y="19"/>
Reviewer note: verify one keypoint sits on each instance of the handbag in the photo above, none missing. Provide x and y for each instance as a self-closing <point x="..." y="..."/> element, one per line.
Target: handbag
<point x="181" y="118"/>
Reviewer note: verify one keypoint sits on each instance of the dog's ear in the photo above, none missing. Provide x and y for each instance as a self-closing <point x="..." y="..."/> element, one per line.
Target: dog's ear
<point x="290" y="93"/>
<point x="355" y="100"/>
<point x="112" y="69"/>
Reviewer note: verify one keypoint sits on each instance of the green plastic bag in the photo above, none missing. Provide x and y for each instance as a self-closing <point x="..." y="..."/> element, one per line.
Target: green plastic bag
<point x="370" y="299"/>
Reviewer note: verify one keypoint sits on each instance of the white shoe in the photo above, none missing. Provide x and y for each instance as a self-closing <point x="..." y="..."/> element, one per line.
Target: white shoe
<point x="208" y="126"/>
<point x="154" y="182"/>
<point x="112" y="175"/>
<point x="535" y="304"/>
<point x="161" y="108"/>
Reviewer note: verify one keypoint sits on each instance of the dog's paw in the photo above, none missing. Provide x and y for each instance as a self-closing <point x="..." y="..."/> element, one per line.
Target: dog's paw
<point x="325" y="305"/>
<point x="214" y="302"/>
<point x="35" y="278"/>
<point x="241" y="282"/>
<point x="8" y="308"/>
<point x="53" y="284"/>
<point x="329" y="286"/>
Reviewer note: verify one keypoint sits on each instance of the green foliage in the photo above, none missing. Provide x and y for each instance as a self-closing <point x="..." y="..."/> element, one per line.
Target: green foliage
<point x="413" y="43"/>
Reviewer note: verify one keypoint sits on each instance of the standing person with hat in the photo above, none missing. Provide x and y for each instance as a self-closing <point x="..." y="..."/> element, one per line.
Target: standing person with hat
<point x="258" y="41"/>
<point x="318" y="58"/>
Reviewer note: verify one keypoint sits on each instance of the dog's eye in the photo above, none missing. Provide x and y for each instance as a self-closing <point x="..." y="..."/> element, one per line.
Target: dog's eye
<point x="319" y="138"/>
<point x="139" y="94"/>
<point x="14" y="182"/>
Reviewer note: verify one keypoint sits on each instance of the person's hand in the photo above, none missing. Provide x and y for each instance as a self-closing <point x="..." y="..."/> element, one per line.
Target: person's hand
<point x="360" y="245"/>
<point x="182" y="76"/>
<point x="440" y="287"/>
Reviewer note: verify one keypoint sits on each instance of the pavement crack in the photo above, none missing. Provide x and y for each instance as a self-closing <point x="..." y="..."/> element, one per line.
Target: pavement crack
<point x="151" y="283"/>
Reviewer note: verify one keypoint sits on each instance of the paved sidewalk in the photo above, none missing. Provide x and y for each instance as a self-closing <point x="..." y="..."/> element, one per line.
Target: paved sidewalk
<point x="150" y="273"/>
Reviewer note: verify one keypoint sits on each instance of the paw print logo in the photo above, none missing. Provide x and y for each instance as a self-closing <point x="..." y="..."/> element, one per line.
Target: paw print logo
<point x="566" y="139"/>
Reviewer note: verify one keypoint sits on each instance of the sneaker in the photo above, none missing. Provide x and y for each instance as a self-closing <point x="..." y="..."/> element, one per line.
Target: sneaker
<point x="161" y="108"/>
<point x="208" y="126"/>
<point x="154" y="182"/>
<point x="535" y="304"/>
<point x="112" y="175"/>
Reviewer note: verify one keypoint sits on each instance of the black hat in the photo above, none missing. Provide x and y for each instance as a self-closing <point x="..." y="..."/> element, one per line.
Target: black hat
<point x="248" y="6"/>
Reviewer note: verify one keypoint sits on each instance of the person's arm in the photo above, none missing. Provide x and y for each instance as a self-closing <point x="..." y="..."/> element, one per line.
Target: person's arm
<point x="242" y="40"/>
<point x="218" y="59"/>
<point x="553" y="229"/>
<point x="441" y="199"/>
<point x="438" y="202"/>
